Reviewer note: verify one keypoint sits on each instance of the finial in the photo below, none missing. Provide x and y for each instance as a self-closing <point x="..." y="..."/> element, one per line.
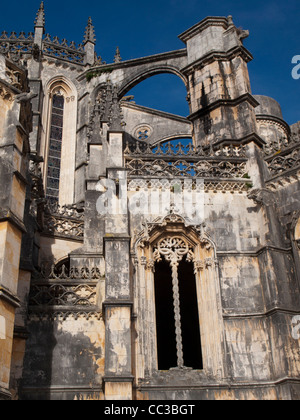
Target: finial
<point x="117" y="56"/>
<point x="40" y="17"/>
<point x="230" y="21"/>
<point x="116" y="122"/>
<point x="89" y="35"/>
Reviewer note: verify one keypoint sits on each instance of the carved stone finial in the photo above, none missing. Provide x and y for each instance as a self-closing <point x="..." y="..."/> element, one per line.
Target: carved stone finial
<point x="115" y="118"/>
<point x="118" y="58"/>
<point x="40" y="17"/>
<point x="230" y="21"/>
<point x="89" y="35"/>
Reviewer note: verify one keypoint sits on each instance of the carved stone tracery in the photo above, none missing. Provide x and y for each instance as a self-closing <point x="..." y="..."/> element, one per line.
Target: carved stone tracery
<point x="172" y="239"/>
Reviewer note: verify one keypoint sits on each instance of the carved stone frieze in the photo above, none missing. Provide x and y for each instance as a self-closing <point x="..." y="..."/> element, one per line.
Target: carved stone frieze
<point x="63" y="227"/>
<point x="206" y="185"/>
<point x="62" y="294"/>
<point x="64" y="221"/>
<point x="65" y="292"/>
<point x="56" y="315"/>
<point x="50" y="272"/>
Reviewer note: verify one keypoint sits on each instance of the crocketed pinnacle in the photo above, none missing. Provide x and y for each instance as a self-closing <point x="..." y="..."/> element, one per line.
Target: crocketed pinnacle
<point x="89" y="35"/>
<point x="40" y="17"/>
<point x="118" y="58"/>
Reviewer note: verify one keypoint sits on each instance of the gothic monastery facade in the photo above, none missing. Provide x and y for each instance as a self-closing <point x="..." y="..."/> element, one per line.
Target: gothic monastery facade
<point x="144" y="255"/>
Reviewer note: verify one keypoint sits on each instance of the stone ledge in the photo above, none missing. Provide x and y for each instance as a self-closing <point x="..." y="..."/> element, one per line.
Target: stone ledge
<point x="5" y="395"/>
<point x="9" y="297"/>
<point x="246" y="97"/>
<point x="9" y="216"/>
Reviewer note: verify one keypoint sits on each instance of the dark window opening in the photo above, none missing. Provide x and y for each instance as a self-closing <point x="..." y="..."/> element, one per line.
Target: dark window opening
<point x="165" y="319"/>
<point x="191" y="340"/>
<point x="165" y="324"/>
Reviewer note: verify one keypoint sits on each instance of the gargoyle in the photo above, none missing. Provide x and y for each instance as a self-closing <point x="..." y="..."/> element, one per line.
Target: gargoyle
<point x="25" y="97"/>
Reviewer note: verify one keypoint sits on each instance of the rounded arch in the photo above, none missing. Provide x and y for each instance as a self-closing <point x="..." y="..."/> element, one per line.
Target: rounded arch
<point x="65" y="88"/>
<point x="131" y="82"/>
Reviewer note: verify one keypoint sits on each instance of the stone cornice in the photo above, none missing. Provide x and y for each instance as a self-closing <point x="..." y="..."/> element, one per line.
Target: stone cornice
<point x="247" y="97"/>
<point x="201" y="26"/>
<point x="218" y="56"/>
<point x="8" y="215"/>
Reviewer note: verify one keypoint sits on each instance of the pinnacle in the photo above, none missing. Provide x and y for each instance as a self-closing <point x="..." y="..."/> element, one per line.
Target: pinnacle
<point x="40" y="17"/>
<point x="89" y="35"/>
<point x="117" y="56"/>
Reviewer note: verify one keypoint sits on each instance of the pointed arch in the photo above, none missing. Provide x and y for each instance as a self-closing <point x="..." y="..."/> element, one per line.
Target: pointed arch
<point x="58" y="140"/>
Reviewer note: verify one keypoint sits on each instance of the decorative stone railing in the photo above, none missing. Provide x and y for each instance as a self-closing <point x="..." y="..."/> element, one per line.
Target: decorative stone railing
<point x="65" y="221"/>
<point x="15" y="46"/>
<point x="64" y="292"/>
<point x="281" y="145"/>
<point x="63" y="50"/>
<point x="169" y="161"/>
<point x="284" y="159"/>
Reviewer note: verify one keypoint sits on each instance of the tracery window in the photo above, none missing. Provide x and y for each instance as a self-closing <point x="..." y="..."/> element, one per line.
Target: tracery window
<point x="58" y="140"/>
<point x="177" y="318"/>
<point x="179" y="294"/>
<point x="55" y="148"/>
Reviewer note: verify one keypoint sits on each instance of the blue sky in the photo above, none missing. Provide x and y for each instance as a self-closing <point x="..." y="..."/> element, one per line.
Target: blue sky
<point x="143" y="28"/>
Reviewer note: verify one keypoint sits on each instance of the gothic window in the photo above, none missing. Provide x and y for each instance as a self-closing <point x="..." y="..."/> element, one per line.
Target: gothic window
<point x="177" y="317"/>
<point x="179" y="294"/>
<point x="55" y="148"/>
<point x="58" y="140"/>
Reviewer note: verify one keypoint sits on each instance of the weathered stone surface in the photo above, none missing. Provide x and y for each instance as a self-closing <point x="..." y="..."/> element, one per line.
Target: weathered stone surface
<point x="78" y="315"/>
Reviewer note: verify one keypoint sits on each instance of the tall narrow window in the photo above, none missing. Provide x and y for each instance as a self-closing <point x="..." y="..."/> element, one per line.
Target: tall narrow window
<point x="191" y="342"/>
<point x="177" y="317"/>
<point x="165" y="324"/>
<point x="55" y="148"/>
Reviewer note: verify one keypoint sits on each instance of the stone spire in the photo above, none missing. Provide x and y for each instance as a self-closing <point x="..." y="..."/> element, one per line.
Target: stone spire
<point x="39" y="26"/>
<point x="89" y="35"/>
<point x="89" y="42"/>
<point x="40" y="17"/>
